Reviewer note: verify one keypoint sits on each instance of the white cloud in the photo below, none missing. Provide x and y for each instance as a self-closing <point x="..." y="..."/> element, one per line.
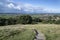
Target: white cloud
<point x="26" y="7"/>
<point x="11" y="5"/>
<point x="51" y="10"/>
<point x="30" y="8"/>
<point x="18" y="7"/>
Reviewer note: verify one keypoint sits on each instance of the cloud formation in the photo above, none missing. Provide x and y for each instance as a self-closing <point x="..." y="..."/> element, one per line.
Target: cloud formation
<point x="11" y="6"/>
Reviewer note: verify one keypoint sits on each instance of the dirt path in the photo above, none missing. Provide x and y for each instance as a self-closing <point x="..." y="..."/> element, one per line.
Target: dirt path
<point x="39" y="35"/>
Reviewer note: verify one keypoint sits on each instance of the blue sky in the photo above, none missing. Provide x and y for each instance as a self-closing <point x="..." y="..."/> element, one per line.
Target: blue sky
<point x="45" y="3"/>
<point x="44" y="6"/>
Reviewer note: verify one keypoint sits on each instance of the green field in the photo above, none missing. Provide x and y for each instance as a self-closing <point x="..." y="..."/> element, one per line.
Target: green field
<point x="51" y="31"/>
<point x="16" y="34"/>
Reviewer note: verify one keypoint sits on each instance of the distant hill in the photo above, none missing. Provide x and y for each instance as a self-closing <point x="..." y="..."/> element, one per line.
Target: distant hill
<point x="30" y="13"/>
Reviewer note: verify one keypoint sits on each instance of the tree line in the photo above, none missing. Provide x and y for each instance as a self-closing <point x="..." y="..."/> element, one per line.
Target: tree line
<point x="22" y="19"/>
<point x="25" y="19"/>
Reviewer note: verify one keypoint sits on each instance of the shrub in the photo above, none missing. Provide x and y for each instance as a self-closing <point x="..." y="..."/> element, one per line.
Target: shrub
<point x="11" y="21"/>
<point x="37" y="20"/>
<point x="49" y="21"/>
<point x="25" y="19"/>
<point x="2" y="21"/>
<point x="57" y="22"/>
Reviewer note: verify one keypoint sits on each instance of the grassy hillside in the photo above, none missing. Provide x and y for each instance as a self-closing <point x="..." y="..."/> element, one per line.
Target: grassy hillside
<point x="51" y="31"/>
<point x="16" y="34"/>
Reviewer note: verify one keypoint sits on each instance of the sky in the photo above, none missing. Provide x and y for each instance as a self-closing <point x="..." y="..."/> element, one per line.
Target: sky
<point x="30" y="6"/>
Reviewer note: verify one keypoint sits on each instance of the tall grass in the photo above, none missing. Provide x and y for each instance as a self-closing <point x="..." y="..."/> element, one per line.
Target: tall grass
<point x="51" y="31"/>
<point x="10" y="34"/>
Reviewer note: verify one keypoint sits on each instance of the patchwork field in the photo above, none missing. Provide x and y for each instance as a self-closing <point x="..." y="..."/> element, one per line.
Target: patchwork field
<point x="51" y="31"/>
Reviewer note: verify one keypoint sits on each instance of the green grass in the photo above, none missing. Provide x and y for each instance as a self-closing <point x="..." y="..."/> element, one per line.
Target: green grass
<point x="15" y="34"/>
<point x="51" y="31"/>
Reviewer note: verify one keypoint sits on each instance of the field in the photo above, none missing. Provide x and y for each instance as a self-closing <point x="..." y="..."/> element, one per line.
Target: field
<point x="16" y="34"/>
<point x="51" y="31"/>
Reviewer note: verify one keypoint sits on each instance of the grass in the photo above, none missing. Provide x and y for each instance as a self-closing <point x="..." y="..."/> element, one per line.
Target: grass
<point x="16" y="34"/>
<point x="51" y="31"/>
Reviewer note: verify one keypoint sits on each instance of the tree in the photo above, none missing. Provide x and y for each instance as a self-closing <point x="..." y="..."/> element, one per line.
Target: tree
<point x="2" y="21"/>
<point x="25" y="19"/>
<point x="57" y="22"/>
<point x="37" y="20"/>
<point x="11" y="21"/>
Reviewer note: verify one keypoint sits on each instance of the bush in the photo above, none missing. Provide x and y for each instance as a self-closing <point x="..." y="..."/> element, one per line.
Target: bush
<point x="57" y="22"/>
<point x="25" y="19"/>
<point x="11" y="21"/>
<point x="2" y="21"/>
<point x="49" y="21"/>
<point x="37" y="20"/>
